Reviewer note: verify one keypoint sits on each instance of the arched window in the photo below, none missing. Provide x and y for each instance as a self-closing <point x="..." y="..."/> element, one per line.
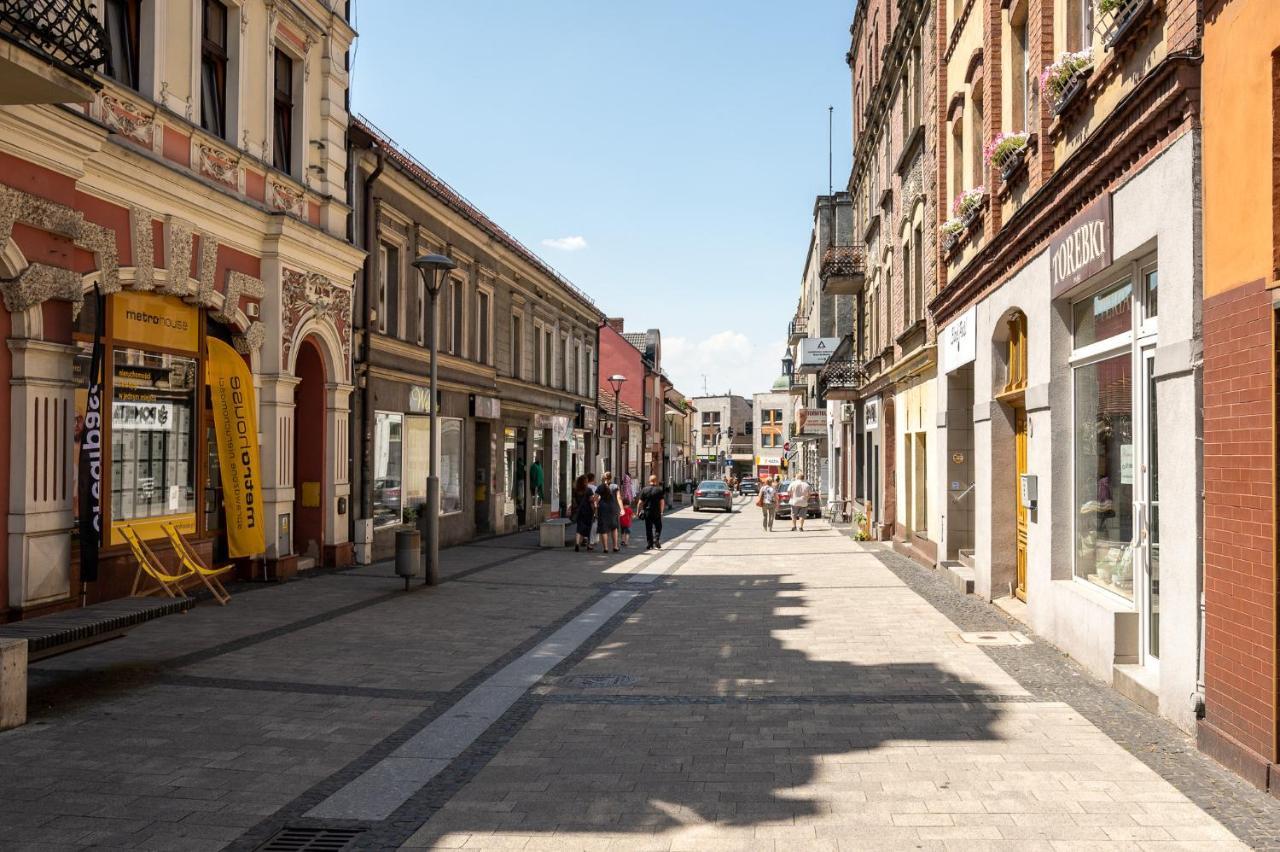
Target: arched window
<point x="1016" y="353"/>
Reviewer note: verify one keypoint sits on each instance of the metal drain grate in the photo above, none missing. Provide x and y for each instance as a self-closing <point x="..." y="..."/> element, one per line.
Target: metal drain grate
<point x="311" y="840"/>
<point x="995" y="637"/>
<point x="604" y="681"/>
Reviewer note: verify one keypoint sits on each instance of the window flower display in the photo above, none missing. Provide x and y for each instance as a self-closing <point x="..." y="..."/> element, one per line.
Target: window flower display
<point x="968" y="202"/>
<point x="1055" y="80"/>
<point x="1004" y="147"/>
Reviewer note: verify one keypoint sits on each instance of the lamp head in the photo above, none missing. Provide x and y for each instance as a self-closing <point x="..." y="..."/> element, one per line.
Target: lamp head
<point x="433" y="263"/>
<point x="616" y="381"/>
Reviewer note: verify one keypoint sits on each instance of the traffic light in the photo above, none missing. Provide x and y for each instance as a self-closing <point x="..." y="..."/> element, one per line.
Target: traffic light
<point x="730" y="433"/>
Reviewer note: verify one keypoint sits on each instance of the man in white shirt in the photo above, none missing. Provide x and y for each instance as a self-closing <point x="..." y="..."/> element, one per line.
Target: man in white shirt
<point x="799" y="493"/>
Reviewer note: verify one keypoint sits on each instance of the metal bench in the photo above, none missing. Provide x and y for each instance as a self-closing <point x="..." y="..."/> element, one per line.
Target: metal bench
<point x="49" y="635"/>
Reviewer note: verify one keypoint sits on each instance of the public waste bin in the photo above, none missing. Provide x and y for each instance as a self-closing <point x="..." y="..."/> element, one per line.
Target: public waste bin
<point x="408" y="555"/>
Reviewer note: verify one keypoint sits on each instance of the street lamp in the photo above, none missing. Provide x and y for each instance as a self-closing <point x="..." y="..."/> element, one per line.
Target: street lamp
<point x="433" y="268"/>
<point x="615" y="382"/>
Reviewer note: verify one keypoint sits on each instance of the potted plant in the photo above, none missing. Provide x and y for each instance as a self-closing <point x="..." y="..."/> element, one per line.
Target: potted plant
<point x="1118" y="16"/>
<point x="951" y="230"/>
<point x="1007" y="152"/>
<point x="1061" y="80"/>
<point x="968" y="204"/>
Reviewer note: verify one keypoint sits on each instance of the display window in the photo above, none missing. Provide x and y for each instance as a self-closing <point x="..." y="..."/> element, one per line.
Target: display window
<point x="1116" y="492"/>
<point x="163" y="463"/>
<point x="402" y="445"/>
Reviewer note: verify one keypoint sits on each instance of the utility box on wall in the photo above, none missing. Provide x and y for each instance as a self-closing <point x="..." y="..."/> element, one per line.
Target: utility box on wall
<point x="1028" y="490"/>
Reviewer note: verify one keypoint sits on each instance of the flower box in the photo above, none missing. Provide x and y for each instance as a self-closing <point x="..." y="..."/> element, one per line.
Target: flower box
<point x="1072" y="90"/>
<point x="1120" y="19"/>
<point x="1062" y="81"/>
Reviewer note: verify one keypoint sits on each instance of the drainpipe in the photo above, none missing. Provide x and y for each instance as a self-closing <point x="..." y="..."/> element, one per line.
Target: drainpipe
<point x="366" y="391"/>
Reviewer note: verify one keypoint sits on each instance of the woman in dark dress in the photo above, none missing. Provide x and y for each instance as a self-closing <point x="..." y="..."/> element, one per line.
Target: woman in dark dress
<point x="608" y="512"/>
<point x="584" y="512"/>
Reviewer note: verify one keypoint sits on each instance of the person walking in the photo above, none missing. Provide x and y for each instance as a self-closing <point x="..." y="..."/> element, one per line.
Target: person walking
<point x="799" y="492"/>
<point x="583" y="514"/>
<point x="653" y="503"/>
<point x="595" y="524"/>
<point x="608" y="511"/>
<point x="768" y="503"/>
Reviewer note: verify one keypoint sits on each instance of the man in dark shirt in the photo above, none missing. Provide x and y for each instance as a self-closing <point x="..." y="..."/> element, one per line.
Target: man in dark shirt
<point x="652" y="504"/>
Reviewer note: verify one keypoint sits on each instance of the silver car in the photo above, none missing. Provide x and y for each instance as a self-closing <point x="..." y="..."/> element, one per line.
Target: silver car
<point x="712" y="494"/>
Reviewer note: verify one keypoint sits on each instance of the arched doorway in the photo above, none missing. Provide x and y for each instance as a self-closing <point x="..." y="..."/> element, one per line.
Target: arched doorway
<point x="309" y="455"/>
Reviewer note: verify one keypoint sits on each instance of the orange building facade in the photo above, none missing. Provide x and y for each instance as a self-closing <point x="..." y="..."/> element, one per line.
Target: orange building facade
<point x="1241" y="167"/>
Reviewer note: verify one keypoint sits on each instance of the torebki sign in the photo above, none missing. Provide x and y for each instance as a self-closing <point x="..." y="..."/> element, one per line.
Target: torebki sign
<point x="1082" y="248"/>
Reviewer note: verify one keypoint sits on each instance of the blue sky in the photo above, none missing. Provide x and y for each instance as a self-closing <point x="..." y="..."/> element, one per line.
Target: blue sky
<point x="663" y="155"/>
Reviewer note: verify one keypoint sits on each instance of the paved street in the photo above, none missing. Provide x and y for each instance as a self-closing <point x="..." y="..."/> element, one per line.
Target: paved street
<point x="736" y="690"/>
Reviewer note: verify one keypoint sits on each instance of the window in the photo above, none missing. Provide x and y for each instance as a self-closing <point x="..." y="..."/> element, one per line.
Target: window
<point x="918" y="273"/>
<point x="1016" y="353"/>
<point x="710" y="428"/>
<point x="563" y="362"/>
<point x="213" y="69"/>
<point x="771" y="427"/>
<point x="908" y="311"/>
<point x="547" y="368"/>
<point x="482" y="327"/>
<point x="123" y="40"/>
<point x="450" y="465"/>
<point x="976" y="137"/>
<point x="917" y="91"/>
<point x="153" y="422"/>
<point x="517" y="347"/>
<point x="391" y="271"/>
<point x="957" y="157"/>
<point x="388" y="443"/>
<point x="577" y="367"/>
<point x="1079" y="25"/>
<point x="458" y="300"/>
<point x="1019" y="65"/>
<point x="282" y="153"/>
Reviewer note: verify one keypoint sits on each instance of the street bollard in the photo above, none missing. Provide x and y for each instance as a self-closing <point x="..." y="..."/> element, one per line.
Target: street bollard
<point x="408" y="555"/>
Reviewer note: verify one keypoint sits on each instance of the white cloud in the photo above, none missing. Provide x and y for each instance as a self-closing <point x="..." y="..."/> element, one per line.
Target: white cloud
<point x="730" y="360"/>
<point x="574" y="243"/>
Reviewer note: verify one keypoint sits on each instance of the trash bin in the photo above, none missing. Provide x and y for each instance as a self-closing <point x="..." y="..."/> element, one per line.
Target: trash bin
<point x="408" y="555"/>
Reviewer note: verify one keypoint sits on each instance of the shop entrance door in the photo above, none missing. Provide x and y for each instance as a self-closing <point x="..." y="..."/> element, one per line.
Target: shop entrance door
<point x="484" y="459"/>
<point x="309" y="456"/>
<point x="1020" y="467"/>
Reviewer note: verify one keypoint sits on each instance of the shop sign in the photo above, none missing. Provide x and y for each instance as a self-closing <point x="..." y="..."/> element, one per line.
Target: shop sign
<point x="816" y="351"/>
<point x="959" y="342"/>
<point x="769" y="461"/>
<point x="606" y="428"/>
<point x="871" y="414"/>
<point x="90" y="460"/>
<point x="811" y="421"/>
<point x="486" y="407"/>
<point x="543" y="421"/>
<point x="588" y="417"/>
<point x="419" y="400"/>
<point x="235" y="421"/>
<point x="149" y="319"/>
<point x="141" y="416"/>
<point x="1081" y="248"/>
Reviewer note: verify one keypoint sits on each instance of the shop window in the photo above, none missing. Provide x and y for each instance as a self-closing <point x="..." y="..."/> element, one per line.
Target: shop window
<point x="282" y="153"/>
<point x="123" y="25"/>
<point x="416" y="454"/>
<point x="388" y="444"/>
<point x="1104" y="463"/>
<point x="1151" y="293"/>
<point x="213" y="68"/>
<point x="1016" y="354"/>
<point x="1104" y="315"/>
<point x="450" y="465"/>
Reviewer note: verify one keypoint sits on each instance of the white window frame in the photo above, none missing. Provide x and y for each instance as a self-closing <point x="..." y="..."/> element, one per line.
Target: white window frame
<point x="298" y="156"/>
<point x="235" y="68"/>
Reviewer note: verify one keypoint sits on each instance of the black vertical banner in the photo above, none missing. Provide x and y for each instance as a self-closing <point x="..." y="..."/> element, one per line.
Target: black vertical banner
<point x="90" y="477"/>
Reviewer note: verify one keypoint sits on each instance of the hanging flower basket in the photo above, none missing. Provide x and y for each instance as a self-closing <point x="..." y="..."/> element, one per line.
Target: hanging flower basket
<point x="1061" y="81"/>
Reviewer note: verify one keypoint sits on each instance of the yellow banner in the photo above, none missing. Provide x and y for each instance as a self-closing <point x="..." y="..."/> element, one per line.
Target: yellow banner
<point x="235" y="419"/>
<point x="154" y="320"/>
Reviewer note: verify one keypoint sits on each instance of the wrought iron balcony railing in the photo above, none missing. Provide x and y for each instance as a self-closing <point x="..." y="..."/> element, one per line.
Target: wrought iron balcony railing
<point x="66" y="32"/>
<point x="846" y="261"/>
<point x="795" y="331"/>
<point x="844" y="373"/>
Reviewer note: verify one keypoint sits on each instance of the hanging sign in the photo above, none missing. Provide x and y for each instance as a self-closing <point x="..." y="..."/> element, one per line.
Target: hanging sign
<point x="90" y="461"/>
<point x="871" y="414"/>
<point x="959" y="342"/>
<point x="235" y="420"/>
<point x="154" y="320"/>
<point x="1081" y="248"/>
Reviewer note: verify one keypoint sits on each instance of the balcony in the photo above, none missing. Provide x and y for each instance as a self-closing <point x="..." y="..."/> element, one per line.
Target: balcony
<point x="842" y="376"/>
<point x="49" y="50"/>
<point x="796" y="331"/>
<point x="843" y="270"/>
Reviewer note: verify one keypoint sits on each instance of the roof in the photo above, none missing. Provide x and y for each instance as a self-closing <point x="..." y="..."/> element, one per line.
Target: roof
<point x="459" y="204"/>
<point x="607" y="400"/>
<point x="638" y="339"/>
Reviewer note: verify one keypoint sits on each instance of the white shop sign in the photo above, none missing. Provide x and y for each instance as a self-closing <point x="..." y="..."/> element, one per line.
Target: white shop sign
<point x="959" y="342"/>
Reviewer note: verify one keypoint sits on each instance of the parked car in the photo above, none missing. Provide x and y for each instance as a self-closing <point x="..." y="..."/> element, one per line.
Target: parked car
<point x="712" y="494"/>
<point x="813" y="510"/>
<point x="749" y="485"/>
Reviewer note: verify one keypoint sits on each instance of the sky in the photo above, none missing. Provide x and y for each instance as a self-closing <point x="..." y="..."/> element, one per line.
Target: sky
<point x="663" y="155"/>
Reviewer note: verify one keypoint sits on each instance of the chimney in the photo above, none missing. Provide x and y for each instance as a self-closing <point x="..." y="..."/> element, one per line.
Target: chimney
<point x="614" y="323"/>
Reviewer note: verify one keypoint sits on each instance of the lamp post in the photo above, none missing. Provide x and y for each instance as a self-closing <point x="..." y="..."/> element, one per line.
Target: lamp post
<point x="615" y="382"/>
<point x="433" y="268"/>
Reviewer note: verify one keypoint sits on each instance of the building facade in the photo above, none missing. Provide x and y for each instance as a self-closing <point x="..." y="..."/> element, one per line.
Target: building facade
<point x="517" y="356"/>
<point x="1240" y="83"/>
<point x="770" y="412"/>
<point x="1070" y="315"/>
<point x="197" y="212"/>
<point x="724" y="425"/>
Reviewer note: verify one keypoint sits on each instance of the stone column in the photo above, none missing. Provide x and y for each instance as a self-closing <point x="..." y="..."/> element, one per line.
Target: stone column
<point x="276" y="431"/>
<point x="337" y="476"/>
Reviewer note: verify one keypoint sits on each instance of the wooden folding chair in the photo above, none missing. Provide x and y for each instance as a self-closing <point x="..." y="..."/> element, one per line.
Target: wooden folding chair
<point x="191" y="560"/>
<point x="166" y="581"/>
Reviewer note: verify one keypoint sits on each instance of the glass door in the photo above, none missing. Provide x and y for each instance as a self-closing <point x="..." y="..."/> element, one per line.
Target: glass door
<point x="1148" y="499"/>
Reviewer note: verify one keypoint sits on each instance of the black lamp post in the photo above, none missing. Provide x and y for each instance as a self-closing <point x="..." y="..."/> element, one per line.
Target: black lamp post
<point x="433" y="268"/>
<point x="615" y="382"/>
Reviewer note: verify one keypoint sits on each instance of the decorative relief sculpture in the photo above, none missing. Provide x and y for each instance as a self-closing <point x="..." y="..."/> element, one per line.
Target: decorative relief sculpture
<point x="126" y="118"/>
<point x="281" y="196"/>
<point x="217" y="165"/>
<point x="312" y="295"/>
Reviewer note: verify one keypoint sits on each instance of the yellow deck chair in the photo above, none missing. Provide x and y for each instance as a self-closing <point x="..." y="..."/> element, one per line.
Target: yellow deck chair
<point x="166" y="581"/>
<point x="191" y="560"/>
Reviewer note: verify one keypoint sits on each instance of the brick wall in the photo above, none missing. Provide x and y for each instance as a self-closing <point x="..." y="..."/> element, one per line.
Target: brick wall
<point x="1239" y="543"/>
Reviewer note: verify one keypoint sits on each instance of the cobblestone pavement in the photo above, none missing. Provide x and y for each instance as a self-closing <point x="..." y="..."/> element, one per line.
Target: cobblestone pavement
<point x="736" y="690"/>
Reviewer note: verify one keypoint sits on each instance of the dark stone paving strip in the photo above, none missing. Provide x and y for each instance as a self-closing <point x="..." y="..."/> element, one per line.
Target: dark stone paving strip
<point x="1050" y="675"/>
<point x="623" y="699"/>
<point x="291" y="814"/>
<point x="298" y="687"/>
